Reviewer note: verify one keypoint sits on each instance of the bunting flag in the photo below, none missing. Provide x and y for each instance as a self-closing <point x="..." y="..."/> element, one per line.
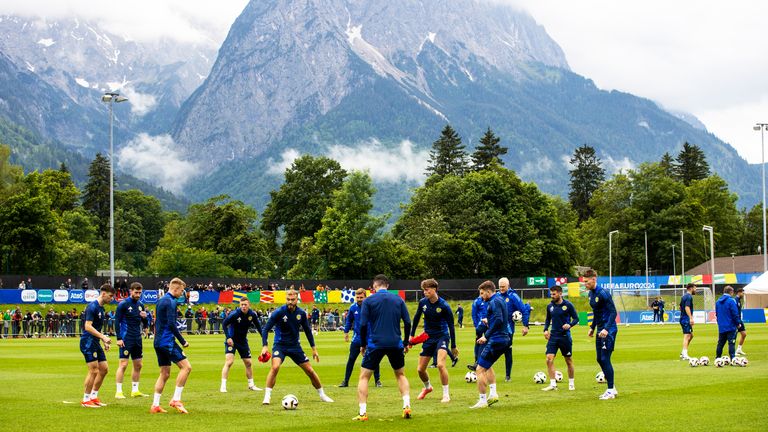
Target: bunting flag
<point x="266" y="297"/>
<point x="574" y="289"/>
<point x="225" y="297"/>
<point x="561" y="280"/>
<point x="237" y="295"/>
<point x="254" y="297"/>
<point x="675" y="280"/>
<point x="278" y="297"/>
<point x="321" y="297"/>
<point x="401" y="294"/>
<point x="706" y="279"/>
<point x="348" y="296"/>
<point x="334" y="296"/>
<point x="697" y="279"/>
<point x="306" y="296"/>
<point x="590" y="317"/>
<point x="727" y="278"/>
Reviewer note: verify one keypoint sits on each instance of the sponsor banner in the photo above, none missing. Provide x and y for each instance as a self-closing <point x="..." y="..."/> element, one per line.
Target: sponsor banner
<point x="76" y="296"/>
<point x="208" y="297"/>
<point x="699" y="317"/>
<point x="149" y="296"/>
<point x="91" y="295"/>
<point x="29" y="296"/>
<point x="45" y="296"/>
<point x="194" y="296"/>
<point x="646" y="317"/>
<point x="61" y="296"/>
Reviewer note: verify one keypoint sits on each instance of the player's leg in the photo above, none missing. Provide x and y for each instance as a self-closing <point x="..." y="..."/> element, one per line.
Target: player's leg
<point x="315" y="379"/>
<point x="508" y="363"/>
<point x="396" y="358"/>
<point x="229" y="360"/>
<point x="605" y="353"/>
<point x="742" y="337"/>
<point x="185" y="368"/>
<point x="442" y="369"/>
<point x="248" y="363"/>
<point x="354" y="352"/>
<point x="721" y="340"/>
<point x="571" y="373"/>
<point x="165" y="373"/>
<point x="90" y="377"/>
<point x="277" y="361"/>
<point x="138" y="364"/>
<point x="362" y="393"/>
<point x="424" y="359"/>
<point x="120" y="375"/>
<point x="551" y="371"/>
<point x="731" y="335"/>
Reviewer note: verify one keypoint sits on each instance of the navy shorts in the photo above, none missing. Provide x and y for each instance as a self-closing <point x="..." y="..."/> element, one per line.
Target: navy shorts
<point x="372" y="358"/>
<point x="92" y="351"/>
<point x="132" y="349"/>
<point x="686" y="325"/>
<point x="167" y="356"/>
<point x="562" y="343"/>
<point x="741" y="327"/>
<point x="606" y="344"/>
<point x="241" y="347"/>
<point x="295" y="354"/>
<point x="491" y="352"/>
<point x="430" y="346"/>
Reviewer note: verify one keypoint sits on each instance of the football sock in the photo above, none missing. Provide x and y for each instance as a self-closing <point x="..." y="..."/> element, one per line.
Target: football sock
<point x="119" y="387"/>
<point x="427" y="384"/>
<point x="250" y="382"/>
<point x="406" y="401"/>
<point x="321" y="392"/>
<point x="134" y="386"/>
<point x="267" y="393"/>
<point x="685" y="353"/>
<point x="482" y="397"/>
<point x="553" y="383"/>
<point x="492" y="389"/>
<point x="95" y="394"/>
<point x="156" y="400"/>
<point x="571" y="381"/>
<point x="363" y="406"/>
<point x="445" y="390"/>
<point x="86" y="397"/>
<point x="223" y="383"/>
<point x="177" y="393"/>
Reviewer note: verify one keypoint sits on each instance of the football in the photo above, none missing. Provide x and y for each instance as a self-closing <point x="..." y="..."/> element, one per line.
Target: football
<point x="517" y="316"/>
<point x="726" y="360"/>
<point x="470" y="377"/>
<point x="704" y="361"/>
<point x="290" y="402"/>
<point x="719" y="362"/>
<point x="600" y="377"/>
<point x="736" y="361"/>
<point x="558" y="376"/>
<point x="744" y="362"/>
<point x="539" y="377"/>
<point x="693" y="361"/>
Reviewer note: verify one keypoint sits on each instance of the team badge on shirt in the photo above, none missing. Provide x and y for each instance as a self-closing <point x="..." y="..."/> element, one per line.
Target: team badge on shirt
<point x="506" y="300"/>
<point x="565" y="307"/>
<point x="229" y="348"/>
<point x="298" y="317"/>
<point x="95" y="355"/>
<point x="125" y="352"/>
<point x="438" y="310"/>
<point x="141" y="308"/>
<point x="597" y="299"/>
<point x="277" y="353"/>
<point x="250" y="318"/>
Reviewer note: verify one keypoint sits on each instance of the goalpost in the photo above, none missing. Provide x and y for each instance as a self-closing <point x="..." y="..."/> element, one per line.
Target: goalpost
<point x="634" y="305"/>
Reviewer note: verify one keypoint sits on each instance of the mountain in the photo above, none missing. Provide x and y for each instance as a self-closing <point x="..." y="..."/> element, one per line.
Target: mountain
<point x="306" y="76"/>
<point x="81" y="60"/>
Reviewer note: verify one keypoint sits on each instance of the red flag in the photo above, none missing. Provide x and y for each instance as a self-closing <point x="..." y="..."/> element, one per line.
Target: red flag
<point x="307" y="297"/>
<point x="706" y="279"/>
<point x="226" y="297"/>
<point x="401" y="293"/>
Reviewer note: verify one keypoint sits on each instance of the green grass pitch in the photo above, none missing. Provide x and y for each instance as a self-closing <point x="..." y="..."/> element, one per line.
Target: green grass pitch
<point x="656" y="390"/>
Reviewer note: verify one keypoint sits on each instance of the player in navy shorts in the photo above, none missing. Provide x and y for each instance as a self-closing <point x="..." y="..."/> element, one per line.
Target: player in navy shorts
<point x="495" y="340"/>
<point x="94" y="356"/>
<point x="236" y="326"/>
<point x="128" y="325"/>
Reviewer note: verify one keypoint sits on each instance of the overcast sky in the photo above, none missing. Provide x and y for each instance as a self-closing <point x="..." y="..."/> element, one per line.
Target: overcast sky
<point x="705" y="57"/>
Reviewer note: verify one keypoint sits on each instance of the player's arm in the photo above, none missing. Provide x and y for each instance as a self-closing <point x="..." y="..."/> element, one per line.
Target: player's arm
<point x="416" y="318"/>
<point x="119" y="317"/>
<point x="228" y="328"/>
<point x="475" y="314"/>
<point x="451" y="326"/>
<point x="547" y="322"/>
<point x="574" y="315"/>
<point x="688" y="311"/>
<point x="90" y="329"/>
<point x="170" y="316"/>
<point x="523" y="311"/>
<point x="407" y="327"/>
<point x="349" y="324"/>
<point x="611" y="308"/>
<point x="307" y="331"/>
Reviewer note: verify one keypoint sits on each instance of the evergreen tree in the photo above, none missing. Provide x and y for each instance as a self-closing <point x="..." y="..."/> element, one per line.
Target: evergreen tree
<point x="96" y="193"/>
<point x="586" y="176"/>
<point x="667" y="164"/>
<point x="488" y="152"/>
<point x="691" y="164"/>
<point x="447" y="156"/>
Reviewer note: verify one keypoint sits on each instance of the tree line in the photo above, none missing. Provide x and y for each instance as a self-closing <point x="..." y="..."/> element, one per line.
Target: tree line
<point x="472" y="218"/>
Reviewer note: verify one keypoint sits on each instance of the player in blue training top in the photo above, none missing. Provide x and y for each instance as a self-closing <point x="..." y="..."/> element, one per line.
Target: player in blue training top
<point x="166" y="334"/>
<point x="288" y="322"/>
<point x="460" y="315"/>
<point x="353" y="323"/>
<point x="438" y="324"/>
<point x="236" y="326"/>
<point x="562" y="316"/>
<point x="94" y="356"/>
<point x="380" y="317"/>
<point x="727" y="322"/>
<point x="479" y="312"/>
<point x="514" y="304"/>
<point x="495" y="341"/>
<point x="742" y="329"/>
<point x="686" y="318"/>
<point x="128" y="322"/>
<point x="604" y="320"/>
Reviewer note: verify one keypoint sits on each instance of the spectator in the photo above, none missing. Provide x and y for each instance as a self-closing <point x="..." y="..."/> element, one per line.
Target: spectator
<point x="188" y="315"/>
<point x="16" y="323"/>
<point x="26" y="324"/>
<point x="84" y="285"/>
<point x="6" y="323"/>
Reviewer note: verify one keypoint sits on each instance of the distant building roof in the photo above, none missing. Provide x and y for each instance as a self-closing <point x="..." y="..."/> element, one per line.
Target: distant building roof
<point x="737" y="264"/>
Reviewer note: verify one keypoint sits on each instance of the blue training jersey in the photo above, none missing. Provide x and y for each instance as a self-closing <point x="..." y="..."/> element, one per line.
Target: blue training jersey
<point x="128" y="320"/>
<point x="165" y="323"/>
<point x="603" y="308"/>
<point x="380" y="318"/>
<point x="237" y="324"/>
<point x="288" y="326"/>
<point x="498" y="320"/>
<point x="559" y="314"/>
<point x="94" y="313"/>
<point x="353" y="322"/>
<point x="514" y="304"/>
<point x="479" y="311"/>
<point x="438" y="319"/>
<point x="686" y="300"/>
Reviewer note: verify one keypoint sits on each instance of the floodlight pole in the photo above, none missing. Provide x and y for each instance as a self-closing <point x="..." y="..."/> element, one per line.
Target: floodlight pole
<point x="762" y="127"/>
<point x="712" y="253"/>
<point x="111" y="98"/>
<point x="610" y="259"/>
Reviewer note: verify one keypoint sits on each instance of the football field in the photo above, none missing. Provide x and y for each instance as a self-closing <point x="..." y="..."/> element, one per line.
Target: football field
<point x="41" y="385"/>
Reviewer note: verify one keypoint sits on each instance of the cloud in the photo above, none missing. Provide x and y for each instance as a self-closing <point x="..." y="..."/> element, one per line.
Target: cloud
<point x="613" y="166"/>
<point x="155" y="159"/>
<point x="391" y="165"/>
<point x="534" y="167"/>
<point x="286" y="160"/>
<point x="141" y="103"/>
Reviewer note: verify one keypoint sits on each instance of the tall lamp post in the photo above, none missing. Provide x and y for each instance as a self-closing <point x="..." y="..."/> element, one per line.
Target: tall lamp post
<point x="682" y="258"/>
<point x="674" y="266"/>
<point x="762" y="127"/>
<point x="610" y="259"/>
<point x="110" y="98"/>
<point x="712" y="253"/>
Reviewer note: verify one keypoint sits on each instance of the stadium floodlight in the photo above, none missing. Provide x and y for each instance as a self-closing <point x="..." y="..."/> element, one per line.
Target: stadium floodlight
<point x="610" y="259"/>
<point x="762" y="128"/>
<point x="112" y="98"/>
<point x="711" y="251"/>
<point x="682" y="257"/>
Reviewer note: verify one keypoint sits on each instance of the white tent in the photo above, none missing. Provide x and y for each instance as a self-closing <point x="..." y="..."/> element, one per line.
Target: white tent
<point x="756" y="292"/>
